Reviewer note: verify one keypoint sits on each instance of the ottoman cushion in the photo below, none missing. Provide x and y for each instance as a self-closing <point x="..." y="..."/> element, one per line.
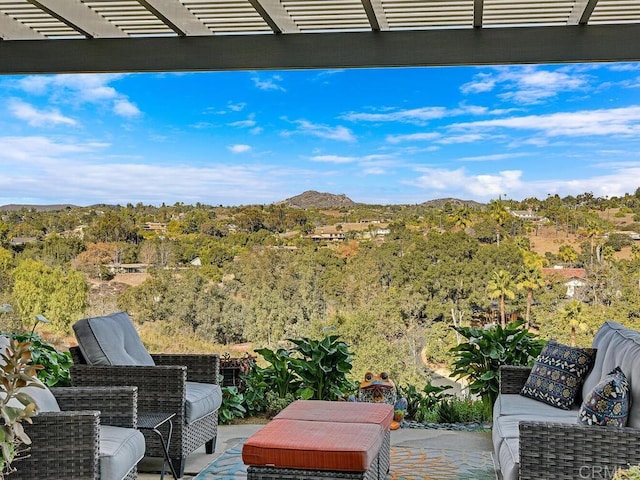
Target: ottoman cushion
<point x="314" y="445"/>
<point x="339" y="412"/>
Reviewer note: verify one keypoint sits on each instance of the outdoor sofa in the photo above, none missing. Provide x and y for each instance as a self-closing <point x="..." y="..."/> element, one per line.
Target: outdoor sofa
<point x="534" y="440"/>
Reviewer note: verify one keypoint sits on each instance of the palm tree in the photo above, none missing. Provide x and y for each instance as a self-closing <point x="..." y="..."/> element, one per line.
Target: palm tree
<point x="499" y="213"/>
<point x="591" y="230"/>
<point x="501" y="286"/>
<point x="530" y="279"/>
<point x="572" y="313"/>
<point x="461" y="218"/>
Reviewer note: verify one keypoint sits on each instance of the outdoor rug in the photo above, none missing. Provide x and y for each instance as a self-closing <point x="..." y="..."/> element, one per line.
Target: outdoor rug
<point x="406" y="464"/>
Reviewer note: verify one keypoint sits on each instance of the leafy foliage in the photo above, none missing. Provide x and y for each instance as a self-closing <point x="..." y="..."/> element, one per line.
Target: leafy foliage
<point x="56" y="365"/>
<point x="322" y="366"/>
<point x="479" y="359"/>
<point x="422" y="404"/>
<point x="17" y="373"/>
<point x="232" y="405"/>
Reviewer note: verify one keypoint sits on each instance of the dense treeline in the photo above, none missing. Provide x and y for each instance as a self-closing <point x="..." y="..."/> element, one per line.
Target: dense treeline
<point x="261" y="279"/>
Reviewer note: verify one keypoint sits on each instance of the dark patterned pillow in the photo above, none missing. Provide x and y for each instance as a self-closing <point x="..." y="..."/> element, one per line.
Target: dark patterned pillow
<point x="608" y="403"/>
<point x="557" y="374"/>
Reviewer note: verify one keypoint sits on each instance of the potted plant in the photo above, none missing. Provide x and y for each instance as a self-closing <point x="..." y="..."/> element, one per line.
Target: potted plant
<point x="16" y="406"/>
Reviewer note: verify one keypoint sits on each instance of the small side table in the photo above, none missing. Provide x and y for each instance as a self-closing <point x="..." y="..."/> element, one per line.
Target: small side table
<point x="153" y="420"/>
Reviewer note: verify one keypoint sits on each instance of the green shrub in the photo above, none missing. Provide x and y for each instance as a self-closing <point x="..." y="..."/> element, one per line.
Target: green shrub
<point x="479" y="359"/>
<point x="322" y="366"/>
<point x="255" y="390"/>
<point x="631" y="473"/>
<point x="458" y="410"/>
<point x="275" y="403"/>
<point x="55" y="365"/>
<point x="232" y="405"/>
<point x="423" y="403"/>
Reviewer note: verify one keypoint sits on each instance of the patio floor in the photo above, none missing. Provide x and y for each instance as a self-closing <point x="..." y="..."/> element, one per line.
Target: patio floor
<point x="230" y="435"/>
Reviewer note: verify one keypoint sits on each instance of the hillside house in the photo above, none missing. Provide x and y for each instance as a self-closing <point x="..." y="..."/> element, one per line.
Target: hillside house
<point x="572" y="278"/>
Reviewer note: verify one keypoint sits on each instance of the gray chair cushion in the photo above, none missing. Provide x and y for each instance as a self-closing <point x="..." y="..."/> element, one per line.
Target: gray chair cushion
<point x="617" y="347"/>
<point x="201" y="399"/>
<point x="111" y="340"/>
<point x="120" y="450"/>
<point x="509" y="459"/>
<point x="43" y="398"/>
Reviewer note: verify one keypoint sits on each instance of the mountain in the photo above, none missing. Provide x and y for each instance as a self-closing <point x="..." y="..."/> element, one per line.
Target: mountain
<point x="313" y="199"/>
<point x="456" y="202"/>
<point x="35" y="208"/>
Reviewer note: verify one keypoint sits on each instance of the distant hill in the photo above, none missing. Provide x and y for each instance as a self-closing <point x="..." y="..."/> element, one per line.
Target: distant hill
<point x="38" y="208"/>
<point x="313" y="199"/>
<point x="456" y="202"/>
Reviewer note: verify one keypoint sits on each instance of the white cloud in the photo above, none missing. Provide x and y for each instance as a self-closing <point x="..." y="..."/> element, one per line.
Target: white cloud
<point x="413" y="137"/>
<point x="271" y="83"/>
<point x="239" y="148"/>
<point x="125" y="108"/>
<point x="616" y="121"/>
<point x="482" y="186"/>
<point x="44" y="170"/>
<point x="247" y="123"/>
<point x="38" y="118"/>
<point x="412" y="115"/>
<point x="528" y="84"/>
<point x="79" y="89"/>
<point x="338" y="133"/>
<point x="492" y="158"/>
<point x="333" y="159"/>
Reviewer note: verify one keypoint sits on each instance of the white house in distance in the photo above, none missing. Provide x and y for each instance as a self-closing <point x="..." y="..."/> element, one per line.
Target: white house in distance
<point x="571" y="277"/>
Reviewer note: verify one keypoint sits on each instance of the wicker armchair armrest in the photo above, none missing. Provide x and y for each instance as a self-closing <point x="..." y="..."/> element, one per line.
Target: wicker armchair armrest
<point x="568" y="451"/>
<point x="67" y="443"/>
<point x="118" y="406"/>
<point x="203" y="368"/>
<point x="160" y="388"/>
<point x="513" y="378"/>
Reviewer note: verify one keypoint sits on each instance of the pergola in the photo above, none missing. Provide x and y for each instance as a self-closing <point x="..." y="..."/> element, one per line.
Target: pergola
<point x="72" y="36"/>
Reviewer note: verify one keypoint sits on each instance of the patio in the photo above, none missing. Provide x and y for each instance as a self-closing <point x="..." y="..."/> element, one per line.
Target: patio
<point x="230" y="435"/>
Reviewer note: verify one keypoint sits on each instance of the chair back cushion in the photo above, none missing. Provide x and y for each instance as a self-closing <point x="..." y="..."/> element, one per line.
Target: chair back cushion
<point x="42" y="396"/>
<point x="111" y="340"/>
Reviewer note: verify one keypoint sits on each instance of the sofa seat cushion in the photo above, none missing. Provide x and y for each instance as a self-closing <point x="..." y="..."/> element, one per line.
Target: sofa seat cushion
<point x="111" y="340"/>
<point x="515" y="404"/>
<point x="312" y="445"/>
<point x="608" y="403"/>
<point x="557" y="374"/>
<point x="617" y="347"/>
<point x="507" y="426"/>
<point x="339" y="412"/>
<point x="509" y="459"/>
<point x="201" y="400"/>
<point x="120" y="449"/>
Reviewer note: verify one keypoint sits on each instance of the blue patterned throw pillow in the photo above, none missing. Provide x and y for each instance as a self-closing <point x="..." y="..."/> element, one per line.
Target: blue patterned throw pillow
<point x="608" y="403"/>
<point x="557" y="374"/>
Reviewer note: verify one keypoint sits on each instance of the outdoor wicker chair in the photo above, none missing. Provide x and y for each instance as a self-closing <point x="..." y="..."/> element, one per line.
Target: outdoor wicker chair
<point x="79" y="433"/>
<point x="85" y="439"/>
<point x="110" y="352"/>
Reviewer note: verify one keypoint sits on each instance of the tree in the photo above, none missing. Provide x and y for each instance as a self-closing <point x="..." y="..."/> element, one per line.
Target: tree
<point x="499" y="214"/>
<point x="572" y="313"/>
<point x="59" y="295"/>
<point x="501" y="286"/>
<point x="567" y="254"/>
<point x="529" y="280"/>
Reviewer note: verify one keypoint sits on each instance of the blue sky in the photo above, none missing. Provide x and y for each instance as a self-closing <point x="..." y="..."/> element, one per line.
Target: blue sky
<point x="383" y="136"/>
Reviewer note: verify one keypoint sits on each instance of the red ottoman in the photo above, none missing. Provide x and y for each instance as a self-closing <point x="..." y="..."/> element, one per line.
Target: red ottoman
<point x="319" y="440"/>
